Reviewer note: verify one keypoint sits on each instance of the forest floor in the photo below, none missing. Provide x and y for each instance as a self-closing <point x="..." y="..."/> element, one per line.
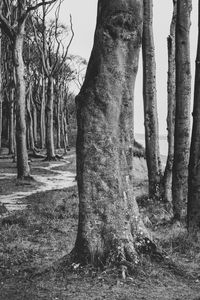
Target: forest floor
<point x="40" y="227"/>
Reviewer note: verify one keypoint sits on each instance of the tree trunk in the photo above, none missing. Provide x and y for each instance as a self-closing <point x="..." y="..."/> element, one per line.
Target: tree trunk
<point x="30" y="119"/>
<point x="11" y="124"/>
<point x="1" y="96"/>
<point x="182" y="120"/>
<point x="193" y="213"/>
<point x="171" y="95"/>
<point x="42" y="113"/>
<point x="65" y="134"/>
<point x="109" y="221"/>
<point x="58" y="121"/>
<point x="34" y="120"/>
<point x="23" y="169"/>
<point x="49" y="116"/>
<point x="1" y="119"/>
<point x="150" y="102"/>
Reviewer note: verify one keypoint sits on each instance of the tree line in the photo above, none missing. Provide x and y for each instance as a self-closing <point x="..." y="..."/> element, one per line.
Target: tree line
<point x="36" y="72"/>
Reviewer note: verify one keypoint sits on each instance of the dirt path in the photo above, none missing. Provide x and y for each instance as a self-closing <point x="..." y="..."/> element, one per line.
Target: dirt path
<point x="55" y="177"/>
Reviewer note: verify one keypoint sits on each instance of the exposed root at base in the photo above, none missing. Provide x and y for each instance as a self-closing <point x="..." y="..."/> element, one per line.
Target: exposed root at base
<point x="54" y="158"/>
<point x="36" y="154"/>
<point x="25" y="178"/>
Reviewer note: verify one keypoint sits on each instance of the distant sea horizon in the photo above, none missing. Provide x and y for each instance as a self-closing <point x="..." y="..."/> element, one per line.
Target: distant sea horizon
<point x="140" y="138"/>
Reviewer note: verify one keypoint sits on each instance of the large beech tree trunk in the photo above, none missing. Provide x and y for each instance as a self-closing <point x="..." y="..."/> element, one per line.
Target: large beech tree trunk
<point x="171" y="95"/>
<point x="193" y="213"/>
<point x="182" y="120"/>
<point x="49" y="118"/>
<point x="109" y="221"/>
<point x="150" y="102"/>
<point x="23" y="169"/>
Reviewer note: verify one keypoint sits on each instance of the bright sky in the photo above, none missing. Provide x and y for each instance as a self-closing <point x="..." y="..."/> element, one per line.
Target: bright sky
<point x="84" y="21"/>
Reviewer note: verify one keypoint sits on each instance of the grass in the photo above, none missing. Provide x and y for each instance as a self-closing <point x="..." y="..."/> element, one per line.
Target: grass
<point x="33" y="239"/>
<point x="138" y="150"/>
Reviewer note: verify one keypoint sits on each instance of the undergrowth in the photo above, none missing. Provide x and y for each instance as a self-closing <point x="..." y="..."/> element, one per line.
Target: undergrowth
<point x="33" y="239"/>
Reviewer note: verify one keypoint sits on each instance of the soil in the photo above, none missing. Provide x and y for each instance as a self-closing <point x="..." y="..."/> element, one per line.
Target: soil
<point x="40" y="228"/>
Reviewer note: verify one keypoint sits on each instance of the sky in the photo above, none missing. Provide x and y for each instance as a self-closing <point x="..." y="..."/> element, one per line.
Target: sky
<point x="84" y="22"/>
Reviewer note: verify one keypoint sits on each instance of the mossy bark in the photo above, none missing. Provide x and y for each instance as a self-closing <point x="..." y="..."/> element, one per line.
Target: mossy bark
<point x="182" y="117"/>
<point x="109" y="220"/>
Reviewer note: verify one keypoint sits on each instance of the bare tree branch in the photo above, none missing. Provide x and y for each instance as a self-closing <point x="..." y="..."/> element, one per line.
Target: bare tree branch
<point x="45" y="67"/>
<point x="6" y="27"/>
<point x="57" y="67"/>
<point x="34" y="7"/>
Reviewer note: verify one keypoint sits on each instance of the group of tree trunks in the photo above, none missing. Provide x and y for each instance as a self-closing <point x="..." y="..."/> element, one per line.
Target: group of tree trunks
<point x="109" y="222"/>
<point x="22" y="81"/>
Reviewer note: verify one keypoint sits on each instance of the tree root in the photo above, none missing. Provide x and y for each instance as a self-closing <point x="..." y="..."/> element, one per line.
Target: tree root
<point x="26" y="178"/>
<point x="54" y="158"/>
<point x="3" y="209"/>
<point x="35" y="153"/>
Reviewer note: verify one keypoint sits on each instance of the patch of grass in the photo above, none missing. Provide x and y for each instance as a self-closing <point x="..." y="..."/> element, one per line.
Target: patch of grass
<point x="175" y="239"/>
<point x="39" y="235"/>
<point x="11" y="185"/>
<point x="154" y="211"/>
<point x="138" y="150"/>
<point x="32" y="240"/>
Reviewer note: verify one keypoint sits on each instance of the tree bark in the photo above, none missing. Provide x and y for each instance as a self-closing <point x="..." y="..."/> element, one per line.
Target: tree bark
<point x="1" y="121"/>
<point x="42" y="113"/>
<point x="193" y="212"/>
<point x="182" y="120"/>
<point x="150" y="102"/>
<point x="11" y="123"/>
<point x="30" y="118"/>
<point x="58" y="120"/>
<point x="109" y="221"/>
<point x="1" y="96"/>
<point x="49" y="118"/>
<point x="23" y="169"/>
<point x="171" y="99"/>
<point x="34" y="116"/>
<point x="65" y="134"/>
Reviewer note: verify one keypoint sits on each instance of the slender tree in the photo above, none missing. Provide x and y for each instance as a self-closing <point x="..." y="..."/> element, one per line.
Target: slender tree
<point x="193" y="213"/>
<point x="150" y="102"/>
<point x="42" y="111"/>
<point x="8" y="89"/>
<point x="171" y="99"/>
<point x="182" y="119"/>
<point x="109" y="220"/>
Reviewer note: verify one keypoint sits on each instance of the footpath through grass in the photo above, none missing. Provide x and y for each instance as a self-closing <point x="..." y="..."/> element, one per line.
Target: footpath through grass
<point x="33" y="239"/>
